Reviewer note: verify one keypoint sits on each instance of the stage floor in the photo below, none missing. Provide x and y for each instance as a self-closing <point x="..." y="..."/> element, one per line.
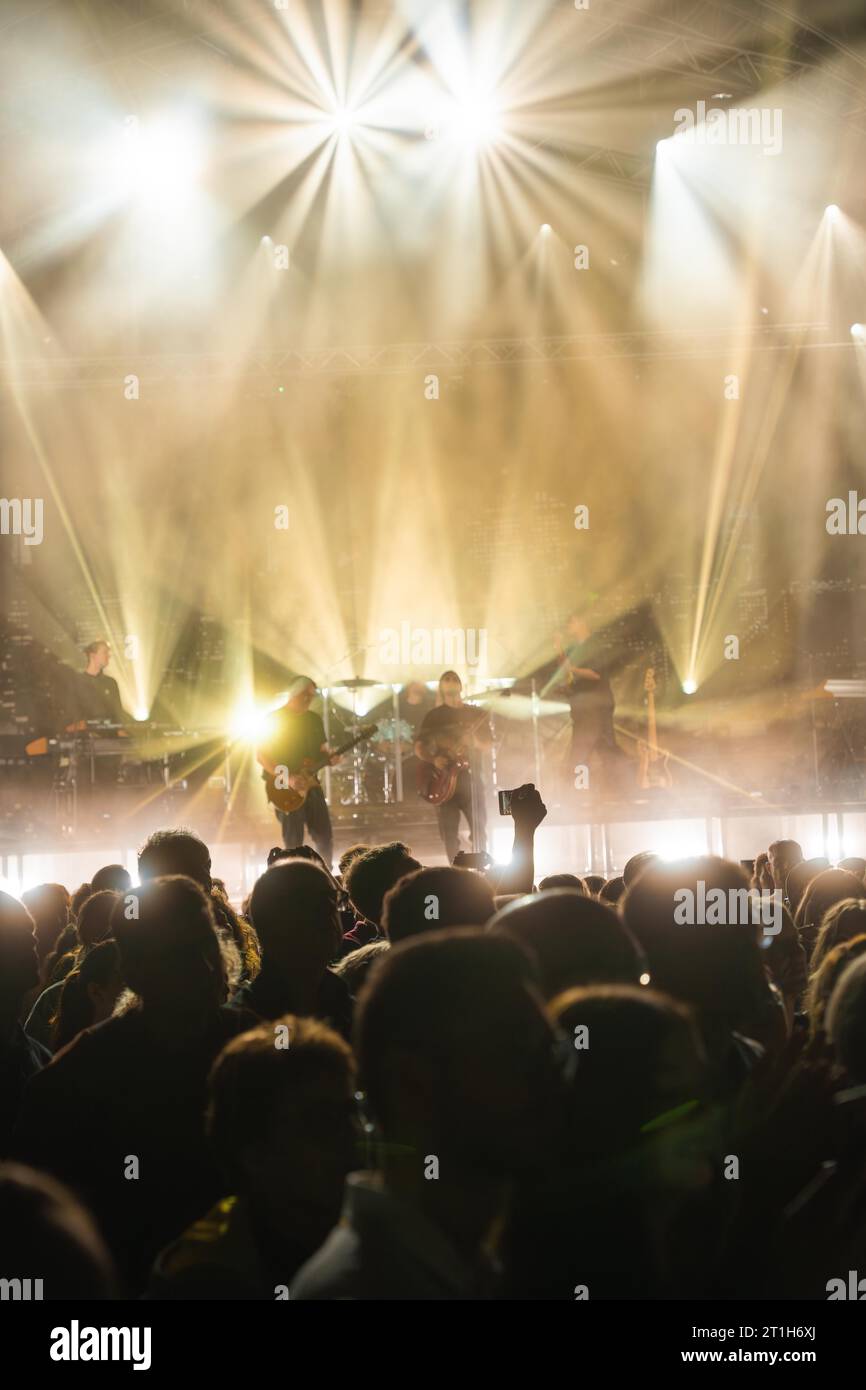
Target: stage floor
<point x="599" y="840"/>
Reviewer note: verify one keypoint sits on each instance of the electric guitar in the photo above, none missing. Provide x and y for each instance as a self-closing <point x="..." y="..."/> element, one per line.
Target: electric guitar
<point x="287" y="791"/>
<point x="654" y="770"/>
<point x="437" y="785"/>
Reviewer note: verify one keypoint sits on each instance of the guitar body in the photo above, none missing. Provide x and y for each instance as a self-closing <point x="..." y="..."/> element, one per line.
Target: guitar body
<point x="654" y="771"/>
<point x="292" y="797"/>
<point x="437" y="785"/>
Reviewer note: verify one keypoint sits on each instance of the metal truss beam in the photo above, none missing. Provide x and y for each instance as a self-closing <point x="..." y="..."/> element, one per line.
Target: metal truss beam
<point x="398" y="358"/>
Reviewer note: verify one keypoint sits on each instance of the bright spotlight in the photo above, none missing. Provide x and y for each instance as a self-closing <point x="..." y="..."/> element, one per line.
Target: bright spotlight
<point x="477" y="119"/>
<point x="832" y="211"/>
<point x="690" y="685"/>
<point x="140" y="713"/>
<point x="858" y="332"/>
<point x="344" y="120"/>
<point x="546" y="229"/>
<point x="164" y="160"/>
<point x="155" y="162"/>
<point x="250" y="723"/>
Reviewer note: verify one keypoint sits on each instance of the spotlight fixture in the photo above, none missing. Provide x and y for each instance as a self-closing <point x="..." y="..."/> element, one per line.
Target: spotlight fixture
<point x="690" y="685"/>
<point x="545" y="229"/>
<point x="858" y="332"/>
<point x="832" y="211"/>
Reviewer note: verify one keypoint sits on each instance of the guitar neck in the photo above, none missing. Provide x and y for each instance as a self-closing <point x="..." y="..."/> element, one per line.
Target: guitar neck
<point x="338" y="752"/>
<point x="651" y="723"/>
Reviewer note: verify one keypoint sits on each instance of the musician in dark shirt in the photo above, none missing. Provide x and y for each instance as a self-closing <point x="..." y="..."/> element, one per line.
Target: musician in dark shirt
<point x="95" y="696"/>
<point x="297" y="733"/>
<point x="580" y="677"/>
<point x="451" y="730"/>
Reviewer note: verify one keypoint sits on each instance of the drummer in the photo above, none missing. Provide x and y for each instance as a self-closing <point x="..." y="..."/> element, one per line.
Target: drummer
<point x="413" y="703"/>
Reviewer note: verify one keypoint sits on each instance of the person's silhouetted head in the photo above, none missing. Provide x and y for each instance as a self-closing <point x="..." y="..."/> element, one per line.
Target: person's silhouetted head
<point x="349" y="856"/>
<point x="429" y="899"/>
<point x="98" y="655"/>
<point x="293" y="908"/>
<point x="846" y="1020"/>
<point x="19" y="961"/>
<point x="826" y="889"/>
<point x="48" y="905"/>
<point x="565" y="881"/>
<point x="170" y="852"/>
<point x="574" y="940"/>
<point x="79" y="898"/>
<point x="825" y="979"/>
<point x="450" y="689"/>
<point x="372" y="874"/>
<point x="455" y="1053"/>
<point x="281" y="1118"/>
<point x="170" y="953"/>
<point x="716" y="966"/>
<point x="355" y="967"/>
<point x="113" y="877"/>
<point x="301" y="693"/>
<point x="637" y="864"/>
<point x="48" y="1234"/>
<point x="782" y="857"/>
<point x="641" y="1065"/>
<point x="799" y="878"/>
<point x="612" y="890"/>
<point x="90" y="992"/>
<point x="94" y="921"/>
<point x="841" y="922"/>
<point x="854" y="865"/>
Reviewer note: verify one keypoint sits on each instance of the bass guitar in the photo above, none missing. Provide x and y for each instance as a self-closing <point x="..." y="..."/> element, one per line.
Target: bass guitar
<point x="287" y="791"/>
<point x="654" y="770"/>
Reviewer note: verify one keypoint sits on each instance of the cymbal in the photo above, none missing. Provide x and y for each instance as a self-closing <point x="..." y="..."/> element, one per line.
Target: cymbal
<point x="356" y="683"/>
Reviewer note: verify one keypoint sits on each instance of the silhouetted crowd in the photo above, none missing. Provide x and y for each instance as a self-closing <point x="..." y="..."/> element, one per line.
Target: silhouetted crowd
<point x="398" y="1082"/>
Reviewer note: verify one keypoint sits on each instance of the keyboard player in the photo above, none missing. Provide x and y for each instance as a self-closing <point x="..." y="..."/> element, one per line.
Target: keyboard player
<point x="95" y="697"/>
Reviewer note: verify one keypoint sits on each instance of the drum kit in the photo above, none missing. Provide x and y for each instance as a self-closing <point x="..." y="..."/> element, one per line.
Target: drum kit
<point x="373" y="771"/>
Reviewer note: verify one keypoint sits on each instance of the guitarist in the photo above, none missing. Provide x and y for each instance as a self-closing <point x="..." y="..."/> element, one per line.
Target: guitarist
<point x="452" y="729"/>
<point x="297" y="733"/>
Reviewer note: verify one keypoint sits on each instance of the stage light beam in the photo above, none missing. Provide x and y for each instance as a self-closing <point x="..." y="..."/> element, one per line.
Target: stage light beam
<point x="250" y="723"/>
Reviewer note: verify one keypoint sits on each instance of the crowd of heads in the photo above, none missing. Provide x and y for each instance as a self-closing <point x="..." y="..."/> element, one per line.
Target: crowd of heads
<point x="395" y="1081"/>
